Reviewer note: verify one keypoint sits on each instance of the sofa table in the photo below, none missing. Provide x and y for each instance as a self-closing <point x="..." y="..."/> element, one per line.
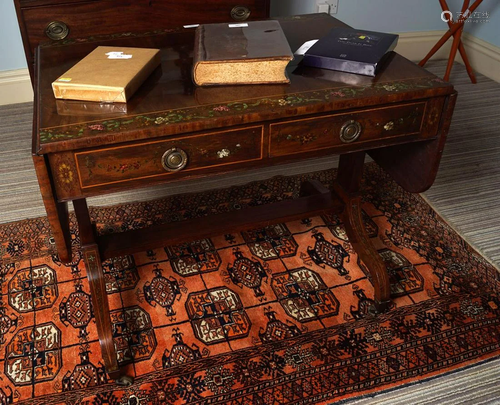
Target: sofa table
<point x="173" y="131"/>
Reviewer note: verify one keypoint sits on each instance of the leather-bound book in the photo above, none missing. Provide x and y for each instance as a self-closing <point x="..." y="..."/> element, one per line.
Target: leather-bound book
<point x="246" y="53"/>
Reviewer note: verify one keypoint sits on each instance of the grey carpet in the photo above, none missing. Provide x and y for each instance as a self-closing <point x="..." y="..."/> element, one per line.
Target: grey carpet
<point x="465" y="194"/>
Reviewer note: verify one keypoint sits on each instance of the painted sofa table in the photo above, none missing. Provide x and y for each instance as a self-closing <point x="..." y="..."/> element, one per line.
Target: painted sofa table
<point x="173" y="131"/>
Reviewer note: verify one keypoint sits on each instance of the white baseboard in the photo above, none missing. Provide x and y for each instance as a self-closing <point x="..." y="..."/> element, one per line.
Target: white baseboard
<point x="15" y="85"/>
<point x="483" y="56"/>
<point x="416" y="45"/>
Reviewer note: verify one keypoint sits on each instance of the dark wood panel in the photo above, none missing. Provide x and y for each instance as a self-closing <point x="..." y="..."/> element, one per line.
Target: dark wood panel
<point x="98" y="17"/>
<point x="140" y="161"/>
<point x="309" y="134"/>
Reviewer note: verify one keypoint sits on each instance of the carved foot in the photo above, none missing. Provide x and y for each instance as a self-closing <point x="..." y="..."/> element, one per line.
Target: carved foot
<point x="382" y="307"/>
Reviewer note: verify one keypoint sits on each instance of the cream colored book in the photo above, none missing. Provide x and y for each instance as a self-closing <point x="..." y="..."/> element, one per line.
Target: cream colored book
<point x="107" y="74"/>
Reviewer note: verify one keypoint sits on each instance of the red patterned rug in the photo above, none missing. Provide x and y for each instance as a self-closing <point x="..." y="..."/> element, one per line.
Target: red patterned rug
<point x="281" y="315"/>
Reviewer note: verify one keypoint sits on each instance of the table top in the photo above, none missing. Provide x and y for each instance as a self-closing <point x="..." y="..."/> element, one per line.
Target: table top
<point x="169" y="103"/>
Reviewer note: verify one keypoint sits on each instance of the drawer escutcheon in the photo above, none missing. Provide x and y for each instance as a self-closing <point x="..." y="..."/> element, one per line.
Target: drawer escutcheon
<point x="350" y="131"/>
<point x="174" y="159"/>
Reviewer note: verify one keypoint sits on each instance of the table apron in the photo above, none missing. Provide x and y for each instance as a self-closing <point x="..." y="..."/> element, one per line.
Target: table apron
<point x="97" y="171"/>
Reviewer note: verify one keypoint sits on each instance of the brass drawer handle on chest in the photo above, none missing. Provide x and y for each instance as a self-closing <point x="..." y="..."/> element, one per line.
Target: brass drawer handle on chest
<point x="174" y="159"/>
<point x="240" y="13"/>
<point x="57" y="30"/>
<point x="350" y="131"/>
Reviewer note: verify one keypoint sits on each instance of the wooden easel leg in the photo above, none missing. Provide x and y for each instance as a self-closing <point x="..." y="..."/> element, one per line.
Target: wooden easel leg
<point x="461" y="47"/>
<point x="455" y="29"/>
<point x="95" y="275"/>
<point x="436" y="47"/>
<point x="454" y="48"/>
<point x="468" y="67"/>
<point x="347" y="187"/>
<point x="57" y="212"/>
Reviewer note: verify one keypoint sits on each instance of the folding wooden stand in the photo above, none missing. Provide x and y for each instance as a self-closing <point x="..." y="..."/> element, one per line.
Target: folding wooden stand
<point x="455" y="28"/>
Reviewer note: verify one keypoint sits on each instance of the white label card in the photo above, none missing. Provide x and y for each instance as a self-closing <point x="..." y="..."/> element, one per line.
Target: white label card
<point x="305" y="47"/>
<point x="238" y="25"/>
<point x="191" y="26"/>
<point x="118" y="55"/>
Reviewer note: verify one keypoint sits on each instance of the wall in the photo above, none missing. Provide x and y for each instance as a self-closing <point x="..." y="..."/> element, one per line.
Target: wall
<point x="377" y="15"/>
<point x="399" y="15"/>
<point x="489" y="32"/>
<point x="11" y="46"/>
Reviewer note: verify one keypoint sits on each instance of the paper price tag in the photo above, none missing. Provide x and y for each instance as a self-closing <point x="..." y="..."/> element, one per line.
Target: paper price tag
<point x="118" y="55"/>
<point x="305" y="47"/>
<point x="238" y="25"/>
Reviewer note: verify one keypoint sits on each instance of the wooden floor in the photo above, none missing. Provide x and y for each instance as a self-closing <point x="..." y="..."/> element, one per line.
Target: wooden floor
<point x="466" y="193"/>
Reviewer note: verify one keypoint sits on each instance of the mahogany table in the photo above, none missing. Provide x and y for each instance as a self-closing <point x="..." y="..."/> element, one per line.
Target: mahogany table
<point x="173" y="131"/>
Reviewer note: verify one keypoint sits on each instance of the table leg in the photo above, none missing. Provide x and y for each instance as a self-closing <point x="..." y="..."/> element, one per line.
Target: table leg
<point x="347" y="187"/>
<point x="57" y="212"/>
<point x="95" y="275"/>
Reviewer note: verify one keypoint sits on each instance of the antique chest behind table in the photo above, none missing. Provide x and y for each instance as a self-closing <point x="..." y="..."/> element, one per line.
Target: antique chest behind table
<point x="173" y="131"/>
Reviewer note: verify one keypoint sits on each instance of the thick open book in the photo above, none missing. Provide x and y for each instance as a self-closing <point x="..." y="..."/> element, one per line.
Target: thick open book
<point x="246" y="53"/>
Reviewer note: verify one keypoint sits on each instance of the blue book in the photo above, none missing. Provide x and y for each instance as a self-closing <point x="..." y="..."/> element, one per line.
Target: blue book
<point x="350" y="50"/>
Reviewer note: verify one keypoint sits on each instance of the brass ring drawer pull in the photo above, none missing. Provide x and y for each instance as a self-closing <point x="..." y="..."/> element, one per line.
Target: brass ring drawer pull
<point x="57" y="30"/>
<point x="174" y="159"/>
<point x="240" y="13"/>
<point x="350" y="131"/>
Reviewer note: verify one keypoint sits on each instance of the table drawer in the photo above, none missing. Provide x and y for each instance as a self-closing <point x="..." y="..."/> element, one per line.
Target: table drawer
<point x="325" y="132"/>
<point x="165" y="157"/>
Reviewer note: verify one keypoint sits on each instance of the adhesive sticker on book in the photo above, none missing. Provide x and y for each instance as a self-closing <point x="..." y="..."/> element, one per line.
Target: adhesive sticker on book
<point x="240" y="25"/>
<point x="118" y="55"/>
<point x="305" y="47"/>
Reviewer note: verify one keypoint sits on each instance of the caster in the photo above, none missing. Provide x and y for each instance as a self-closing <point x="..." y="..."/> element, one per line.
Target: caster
<point x="124" y="381"/>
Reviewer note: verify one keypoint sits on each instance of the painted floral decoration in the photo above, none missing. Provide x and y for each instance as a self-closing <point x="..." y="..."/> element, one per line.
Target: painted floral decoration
<point x="65" y="173"/>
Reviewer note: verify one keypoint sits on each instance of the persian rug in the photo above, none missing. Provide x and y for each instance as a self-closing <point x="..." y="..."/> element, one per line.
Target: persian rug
<point x="279" y="315"/>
